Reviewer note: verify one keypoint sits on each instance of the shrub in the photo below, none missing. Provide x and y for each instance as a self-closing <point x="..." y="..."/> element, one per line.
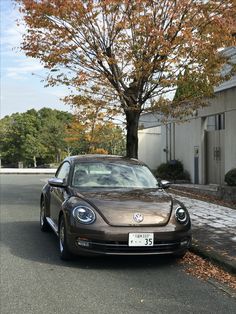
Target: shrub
<point x="230" y="177"/>
<point x="172" y="170"/>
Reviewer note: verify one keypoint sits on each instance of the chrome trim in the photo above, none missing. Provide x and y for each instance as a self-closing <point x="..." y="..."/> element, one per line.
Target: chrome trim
<point x="138" y="217"/>
<point x="123" y="249"/>
<point x="126" y="245"/>
<point x="182" y="221"/>
<point x="57" y="182"/>
<point x="52" y="225"/>
<point x="79" y="219"/>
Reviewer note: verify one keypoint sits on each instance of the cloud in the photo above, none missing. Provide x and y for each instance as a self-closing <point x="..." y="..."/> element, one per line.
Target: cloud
<point x="11" y="33"/>
<point x="17" y="98"/>
<point x="23" y="69"/>
<point x="15" y="64"/>
<point x="12" y="36"/>
<point x="20" y="90"/>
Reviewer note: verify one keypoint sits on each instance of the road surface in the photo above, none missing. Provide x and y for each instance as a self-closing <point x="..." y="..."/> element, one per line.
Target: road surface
<point x="34" y="279"/>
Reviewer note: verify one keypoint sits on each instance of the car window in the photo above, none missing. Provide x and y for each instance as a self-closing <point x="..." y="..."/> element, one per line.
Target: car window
<point x="110" y="174"/>
<point x="63" y="171"/>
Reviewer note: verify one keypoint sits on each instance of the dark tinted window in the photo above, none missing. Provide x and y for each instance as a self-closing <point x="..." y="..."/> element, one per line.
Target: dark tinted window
<point x="216" y="122"/>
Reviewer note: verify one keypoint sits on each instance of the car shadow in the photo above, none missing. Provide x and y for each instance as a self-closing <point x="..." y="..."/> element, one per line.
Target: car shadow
<point x="25" y="240"/>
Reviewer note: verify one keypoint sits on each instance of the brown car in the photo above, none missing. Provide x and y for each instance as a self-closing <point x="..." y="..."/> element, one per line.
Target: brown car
<point x="99" y="204"/>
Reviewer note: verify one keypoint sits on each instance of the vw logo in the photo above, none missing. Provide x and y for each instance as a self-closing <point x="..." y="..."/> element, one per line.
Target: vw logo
<point x="138" y="217"/>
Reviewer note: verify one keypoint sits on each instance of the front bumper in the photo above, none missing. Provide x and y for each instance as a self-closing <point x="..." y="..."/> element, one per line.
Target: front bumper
<point x="110" y="244"/>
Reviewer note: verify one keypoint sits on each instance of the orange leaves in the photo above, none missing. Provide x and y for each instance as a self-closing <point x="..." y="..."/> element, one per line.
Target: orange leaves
<point x="116" y="45"/>
<point x="94" y="136"/>
<point x="203" y="269"/>
<point x="98" y="151"/>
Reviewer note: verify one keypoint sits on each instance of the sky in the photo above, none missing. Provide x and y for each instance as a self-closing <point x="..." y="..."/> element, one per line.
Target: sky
<point x="21" y="86"/>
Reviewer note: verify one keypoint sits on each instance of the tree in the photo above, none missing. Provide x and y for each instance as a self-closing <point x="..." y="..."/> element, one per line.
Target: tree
<point x="94" y="135"/>
<point x="33" y="137"/>
<point x="130" y="55"/>
<point x="47" y="136"/>
<point x="75" y="138"/>
<point x="105" y="136"/>
<point x="15" y="132"/>
<point x="33" y="149"/>
<point x="7" y="145"/>
<point x="108" y="137"/>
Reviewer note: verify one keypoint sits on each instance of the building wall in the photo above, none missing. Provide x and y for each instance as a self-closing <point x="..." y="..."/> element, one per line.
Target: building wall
<point x="230" y="139"/>
<point x="187" y="137"/>
<point x="225" y="102"/>
<point x="192" y="140"/>
<point x="150" y="146"/>
<point x="181" y="141"/>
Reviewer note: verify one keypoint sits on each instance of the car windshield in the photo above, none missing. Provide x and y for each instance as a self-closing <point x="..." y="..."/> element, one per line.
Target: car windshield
<point x="113" y="175"/>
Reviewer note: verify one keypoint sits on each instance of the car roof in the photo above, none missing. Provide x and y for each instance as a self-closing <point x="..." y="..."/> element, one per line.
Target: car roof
<point x="100" y="157"/>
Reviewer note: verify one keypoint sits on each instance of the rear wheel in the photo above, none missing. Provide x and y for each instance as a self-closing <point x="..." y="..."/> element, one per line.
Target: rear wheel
<point x="44" y="226"/>
<point x="65" y="253"/>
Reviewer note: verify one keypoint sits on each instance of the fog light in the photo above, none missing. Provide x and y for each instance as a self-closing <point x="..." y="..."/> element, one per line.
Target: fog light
<point x="83" y="242"/>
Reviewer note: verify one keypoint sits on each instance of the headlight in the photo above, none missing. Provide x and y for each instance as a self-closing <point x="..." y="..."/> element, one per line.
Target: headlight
<point x="181" y="215"/>
<point x="84" y="214"/>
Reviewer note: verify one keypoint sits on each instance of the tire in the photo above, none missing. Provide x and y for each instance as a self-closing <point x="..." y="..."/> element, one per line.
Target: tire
<point x="65" y="253"/>
<point x="44" y="226"/>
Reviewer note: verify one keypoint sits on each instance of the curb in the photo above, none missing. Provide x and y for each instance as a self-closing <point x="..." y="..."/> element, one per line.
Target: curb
<point x="216" y="258"/>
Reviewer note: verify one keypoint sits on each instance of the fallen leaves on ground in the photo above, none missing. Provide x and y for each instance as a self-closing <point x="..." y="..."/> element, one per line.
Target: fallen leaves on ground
<point x="204" y="269"/>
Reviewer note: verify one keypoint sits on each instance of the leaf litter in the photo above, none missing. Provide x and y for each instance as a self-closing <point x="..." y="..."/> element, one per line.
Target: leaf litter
<point x="204" y="269"/>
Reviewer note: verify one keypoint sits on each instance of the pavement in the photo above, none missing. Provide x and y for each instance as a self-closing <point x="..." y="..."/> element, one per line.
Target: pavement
<point x="214" y="232"/>
<point x="213" y="226"/>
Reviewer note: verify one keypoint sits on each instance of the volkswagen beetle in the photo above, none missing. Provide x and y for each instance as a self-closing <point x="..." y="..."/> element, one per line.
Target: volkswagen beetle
<point x="98" y="204"/>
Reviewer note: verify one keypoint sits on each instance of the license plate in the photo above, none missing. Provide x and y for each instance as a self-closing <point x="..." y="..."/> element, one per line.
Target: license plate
<point x="141" y="239"/>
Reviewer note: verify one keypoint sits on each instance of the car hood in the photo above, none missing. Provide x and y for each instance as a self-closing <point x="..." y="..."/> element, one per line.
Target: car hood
<point x="119" y="207"/>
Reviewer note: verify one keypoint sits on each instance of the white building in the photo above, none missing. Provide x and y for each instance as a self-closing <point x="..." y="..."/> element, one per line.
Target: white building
<point x="205" y="144"/>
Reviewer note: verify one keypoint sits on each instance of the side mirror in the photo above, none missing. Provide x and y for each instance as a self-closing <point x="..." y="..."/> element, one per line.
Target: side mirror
<point x="57" y="182"/>
<point x="164" y="184"/>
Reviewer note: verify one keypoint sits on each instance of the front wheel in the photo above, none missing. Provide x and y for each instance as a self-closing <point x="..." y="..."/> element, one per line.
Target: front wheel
<point x="65" y="253"/>
<point x="44" y="226"/>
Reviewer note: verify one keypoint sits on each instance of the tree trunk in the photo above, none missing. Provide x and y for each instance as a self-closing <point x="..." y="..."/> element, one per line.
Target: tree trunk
<point x="132" y="120"/>
<point x="35" y="162"/>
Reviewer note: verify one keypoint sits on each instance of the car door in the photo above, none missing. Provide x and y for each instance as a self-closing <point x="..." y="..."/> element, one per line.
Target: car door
<point x="58" y="193"/>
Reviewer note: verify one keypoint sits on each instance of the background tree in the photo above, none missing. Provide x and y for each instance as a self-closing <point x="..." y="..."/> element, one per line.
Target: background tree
<point x="129" y="53"/>
<point x="75" y="138"/>
<point x="14" y="134"/>
<point x="108" y="137"/>
<point x="47" y="136"/>
<point x="94" y="135"/>
<point x="100" y="132"/>
<point x="53" y="124"/>
<point x="7" y="144"/>
<point x="33" y="137"/>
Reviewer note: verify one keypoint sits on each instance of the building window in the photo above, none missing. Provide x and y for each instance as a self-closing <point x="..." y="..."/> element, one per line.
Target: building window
<point x="216" y="122"/>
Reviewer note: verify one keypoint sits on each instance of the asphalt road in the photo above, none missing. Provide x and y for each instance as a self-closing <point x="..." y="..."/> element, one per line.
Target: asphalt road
<point x="34" y="280"/>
